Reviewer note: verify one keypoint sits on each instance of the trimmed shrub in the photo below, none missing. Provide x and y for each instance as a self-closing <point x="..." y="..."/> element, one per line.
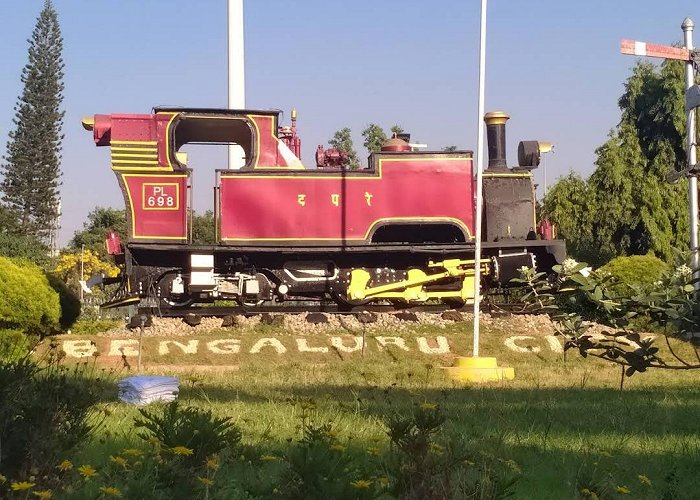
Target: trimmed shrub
<point x="27" y="302"/>
<point x="70" y="303"/>
<point x="634" y="270"/>
<point x="14" y="344"/>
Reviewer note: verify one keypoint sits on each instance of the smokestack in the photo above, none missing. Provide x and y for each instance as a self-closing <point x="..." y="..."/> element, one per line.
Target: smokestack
<point x="496" y="137"/>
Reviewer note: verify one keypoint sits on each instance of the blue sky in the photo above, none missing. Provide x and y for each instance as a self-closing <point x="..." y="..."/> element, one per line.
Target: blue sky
<point x="554" y="66"/>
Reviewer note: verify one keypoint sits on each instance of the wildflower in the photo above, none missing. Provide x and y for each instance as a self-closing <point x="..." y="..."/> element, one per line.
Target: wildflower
<point x="3" y="479"/>
<point x="119" y="461"/>
<point x="644" y="480"/>
<point x="383" y="482"/>
<point x="64" y="466"/>
<point x="87" y="471"/>
<point x="428" y="406"/>
<point x="22" y="486"/>
<point x="205" y="481"/>
<point x="182" y="450"/>
<point x="132" y="452"/>
<point x="110" y="491"/>
<point x="268" y="458"/>
<point x="361" y="484"/>
<point x="374" y="452"/>
<point x="622" y="490"/>
<point x="337" y="447"/>
<point x="213" y="463"/>
<point x="43" y="494"/>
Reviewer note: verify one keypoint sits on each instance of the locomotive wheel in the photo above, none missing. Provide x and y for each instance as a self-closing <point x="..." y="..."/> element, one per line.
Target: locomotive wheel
<point x="164" y="285"/>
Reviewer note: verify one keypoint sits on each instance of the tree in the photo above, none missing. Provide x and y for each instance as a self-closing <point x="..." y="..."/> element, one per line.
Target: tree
<point x="633" y="210"/>
<point x="203" y="230"/>
<point x="342" y="141"/>
<point x="13" y="244"/>
<point x="95" y="229"/>
<point x="449" y="149"/>
<point x="374" y="137"/>
<point x="31" y="170"/>
<point x="396" y="130"/>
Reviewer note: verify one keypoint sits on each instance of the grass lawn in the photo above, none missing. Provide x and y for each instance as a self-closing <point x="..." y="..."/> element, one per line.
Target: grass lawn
<point x="563" y="422"/>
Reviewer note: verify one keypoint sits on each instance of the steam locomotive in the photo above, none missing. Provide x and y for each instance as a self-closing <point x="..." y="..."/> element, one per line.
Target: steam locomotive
<point x="399" y="232"/>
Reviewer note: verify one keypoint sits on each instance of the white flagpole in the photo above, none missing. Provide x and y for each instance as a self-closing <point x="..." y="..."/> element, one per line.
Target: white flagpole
<point x="479" y="178"/>
<point x="236" y="73"/>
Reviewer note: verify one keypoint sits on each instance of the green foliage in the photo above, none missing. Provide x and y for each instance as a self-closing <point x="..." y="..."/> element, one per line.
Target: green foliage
<point x="190" y="427"/>
<point x="342" y="141"/>
<point x="69" y="302"/>
<point x="86" y="326"/>
<point x="95" y="229"/>
<point x="374" y="137"/>
<point x="203" y="228"/>
<point x="27" y="301"/>
<point x="449" y="149"/>
<point x="32" y="169"/>
<point x="576" y="298"/>
<point x="626" y="207"/>
<point x="45" y="411"/>
<point x="634" y="271"/>
<point x="14" y="344"/>
<point x="18" y="246"/>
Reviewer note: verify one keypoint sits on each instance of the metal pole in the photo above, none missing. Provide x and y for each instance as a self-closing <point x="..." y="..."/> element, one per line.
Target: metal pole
<point x="687" y="27"/>
<point x="82" y="273"/>
<point x="236" y="73"/>
<point x="479" y="178"/>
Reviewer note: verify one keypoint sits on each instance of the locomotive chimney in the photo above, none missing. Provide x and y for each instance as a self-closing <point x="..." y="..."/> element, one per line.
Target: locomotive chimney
<point x="496" y="137"/>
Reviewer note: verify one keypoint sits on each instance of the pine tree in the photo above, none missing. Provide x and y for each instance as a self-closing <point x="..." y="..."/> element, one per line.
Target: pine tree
<point x="31" y="167"/>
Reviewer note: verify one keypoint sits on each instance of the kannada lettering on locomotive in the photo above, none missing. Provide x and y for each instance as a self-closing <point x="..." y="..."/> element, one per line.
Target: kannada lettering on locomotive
<point x="399" y="231"/>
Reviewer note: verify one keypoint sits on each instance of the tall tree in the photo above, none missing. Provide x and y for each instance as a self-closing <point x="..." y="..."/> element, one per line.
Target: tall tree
<point x="374" y="137"/>
<point x="95" y="229"/>
<point x="31" y="168"/>
<point x="342" y="141"/>
<point x="633" y="209"/>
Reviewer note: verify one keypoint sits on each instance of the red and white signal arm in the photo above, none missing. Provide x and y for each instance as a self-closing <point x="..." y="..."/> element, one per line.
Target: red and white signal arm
<point x="635" y="48"/>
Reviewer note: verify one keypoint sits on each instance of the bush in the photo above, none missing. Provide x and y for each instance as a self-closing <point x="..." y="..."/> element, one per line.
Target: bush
<point x="45" y="411"/>
<point x="634" y="271"/>
<point x="27" y="302"/>
<point x="70" y="303"/>
<point x="14" y="344"/>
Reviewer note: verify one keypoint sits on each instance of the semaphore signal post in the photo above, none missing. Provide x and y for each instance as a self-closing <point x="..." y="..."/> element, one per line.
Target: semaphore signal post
<point x="692" y="101"/>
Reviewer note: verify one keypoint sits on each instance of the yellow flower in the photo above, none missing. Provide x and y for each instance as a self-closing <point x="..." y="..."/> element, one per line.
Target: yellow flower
<point x="87" y="471"/>
<point x="64" y="466"/>
<point x="132" y="452"/>
<point x="3" y="479"/>
<point x="119" y="461"/>
<point x="43" y="494"/>
<point x="268" y="458"/>
<point x="428" y="406"/>
<point x="205" y="481"/>
<point x="337" y="447"/>
<point x="361" y="484"/>
<point x="110" y="491"/>
<point x="182" y="450"/>
<point x="622" y="490"/>
<point x="644" y="480"/>
<point x="213" y="463"/>
<point x="383" y="482"/>
<point x="22" y="486"/>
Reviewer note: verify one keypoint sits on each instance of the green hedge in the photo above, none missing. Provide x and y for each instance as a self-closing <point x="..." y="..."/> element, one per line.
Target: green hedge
<point x="70" y="303"/>
<point x="635" y="270"/>
<point x="27" y="301"/>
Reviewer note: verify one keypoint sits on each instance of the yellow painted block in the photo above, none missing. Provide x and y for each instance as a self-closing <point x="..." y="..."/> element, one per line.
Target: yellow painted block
<point x="471" y="369"/>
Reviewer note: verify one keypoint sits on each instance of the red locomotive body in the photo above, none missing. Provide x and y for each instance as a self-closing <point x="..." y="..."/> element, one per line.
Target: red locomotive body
<point x="399" y="231"/>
